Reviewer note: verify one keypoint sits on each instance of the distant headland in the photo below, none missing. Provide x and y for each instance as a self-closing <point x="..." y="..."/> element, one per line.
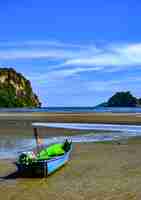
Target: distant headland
<point x="16" y="90"/>
<point x="122" y="99"/>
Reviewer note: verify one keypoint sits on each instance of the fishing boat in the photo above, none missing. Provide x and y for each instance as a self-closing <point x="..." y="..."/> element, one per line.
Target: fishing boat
<point x="43" y="160"/>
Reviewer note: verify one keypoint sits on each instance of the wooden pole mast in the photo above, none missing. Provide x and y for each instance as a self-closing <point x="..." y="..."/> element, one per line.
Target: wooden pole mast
<point x="39" y="142"/>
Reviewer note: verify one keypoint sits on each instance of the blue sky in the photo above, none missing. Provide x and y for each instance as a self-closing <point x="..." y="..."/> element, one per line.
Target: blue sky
<point x="75" y="53"/>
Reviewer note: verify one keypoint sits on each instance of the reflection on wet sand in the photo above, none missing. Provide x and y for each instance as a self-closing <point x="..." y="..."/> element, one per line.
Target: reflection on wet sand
<point x="95" y="171"/>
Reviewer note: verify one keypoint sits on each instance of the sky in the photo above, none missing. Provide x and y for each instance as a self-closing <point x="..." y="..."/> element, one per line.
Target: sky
<point x="75" y="53"/>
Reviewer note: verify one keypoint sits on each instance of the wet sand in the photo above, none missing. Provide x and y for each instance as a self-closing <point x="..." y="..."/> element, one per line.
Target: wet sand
<point x="112" y="118"/>
<point x="96" y="171"/>
<point x="20" y="123"/>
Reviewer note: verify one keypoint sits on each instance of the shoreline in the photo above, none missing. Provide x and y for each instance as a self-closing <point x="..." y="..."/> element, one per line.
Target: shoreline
<point x="68" y="117"/>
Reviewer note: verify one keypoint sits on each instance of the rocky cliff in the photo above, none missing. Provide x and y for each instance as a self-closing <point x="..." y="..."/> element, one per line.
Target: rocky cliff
<point x="16" y="90"/>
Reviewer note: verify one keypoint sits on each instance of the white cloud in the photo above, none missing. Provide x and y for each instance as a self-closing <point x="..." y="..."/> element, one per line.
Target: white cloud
<point x="76" y="58"/>
<point x="64" y="73"/>
<point x="117" y="56"/>
<point x="98" y="60"/>
<point x="55" y="75"/>
<point x="63" y="78"/>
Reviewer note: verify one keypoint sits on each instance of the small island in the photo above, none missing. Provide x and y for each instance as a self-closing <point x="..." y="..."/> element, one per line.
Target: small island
<point x="16" y="90"/>
<point x="122" y="99"/>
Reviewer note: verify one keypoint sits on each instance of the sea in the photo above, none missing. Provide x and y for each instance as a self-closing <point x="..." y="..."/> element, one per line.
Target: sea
<point x="76" y="109"/>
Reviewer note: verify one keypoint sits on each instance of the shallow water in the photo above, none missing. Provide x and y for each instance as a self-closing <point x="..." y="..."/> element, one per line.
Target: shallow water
<point x="11" y="147"/>
<point x="102" y="127"/>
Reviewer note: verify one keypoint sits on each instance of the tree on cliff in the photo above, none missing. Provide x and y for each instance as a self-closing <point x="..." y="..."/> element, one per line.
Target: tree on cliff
<point x="122" y="99"/>
<point x="16" y="90"/>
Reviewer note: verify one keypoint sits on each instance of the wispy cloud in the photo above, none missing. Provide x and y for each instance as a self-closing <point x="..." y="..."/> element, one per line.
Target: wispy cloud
<point x="112" y="55"/>
<point x="61" y="74"/>
<point x="35" y="54"/>
<point x="44" y="49"/>
<point x="76" y="71"/>
<point x="44" y="43"/>
<point x="76" y="58"/>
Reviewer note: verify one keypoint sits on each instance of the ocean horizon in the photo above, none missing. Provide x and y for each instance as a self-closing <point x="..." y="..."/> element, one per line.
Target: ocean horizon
<point x="76" y="109"/>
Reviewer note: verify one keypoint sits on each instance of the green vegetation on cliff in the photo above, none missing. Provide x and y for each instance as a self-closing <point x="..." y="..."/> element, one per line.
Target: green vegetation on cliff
<point x="122" y="99"/>
<point x="16" y="90"/>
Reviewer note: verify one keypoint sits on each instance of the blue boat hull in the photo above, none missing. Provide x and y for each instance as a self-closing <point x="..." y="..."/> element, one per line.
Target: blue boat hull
<point x="44" y="167"/>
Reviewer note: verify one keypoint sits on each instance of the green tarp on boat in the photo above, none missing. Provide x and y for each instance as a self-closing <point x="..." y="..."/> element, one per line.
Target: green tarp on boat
<point x="45" y="153"/>
<point x="53" y="150"/>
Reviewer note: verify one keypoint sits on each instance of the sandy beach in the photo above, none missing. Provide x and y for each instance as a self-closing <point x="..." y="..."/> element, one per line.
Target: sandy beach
<point x="96" y="171"/>
<point x="20" y="123"/>
<point x="112" y="118"/>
